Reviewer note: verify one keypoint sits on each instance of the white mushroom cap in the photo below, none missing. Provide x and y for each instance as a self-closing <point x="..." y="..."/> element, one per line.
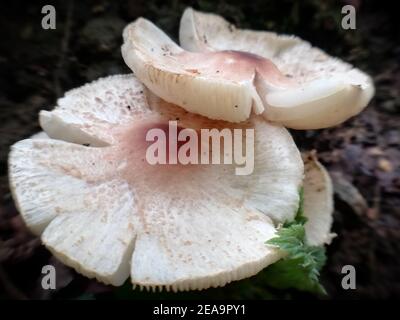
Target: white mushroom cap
<point x="318" y="198"/>
<point x="318" y="201"/>
<point x="39" y="135"/>
<point x="92" y="113"/>
<point x="205" y="84"/>
<point x="107" y="213"/>
<point x="324" y="91"/>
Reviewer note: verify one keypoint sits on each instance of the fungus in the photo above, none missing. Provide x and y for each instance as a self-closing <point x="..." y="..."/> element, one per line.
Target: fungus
<point x="87" y="187"/>
<point x="103" y="210"/>
<point x="318" y="201"/>
<point x="237" y="72"/>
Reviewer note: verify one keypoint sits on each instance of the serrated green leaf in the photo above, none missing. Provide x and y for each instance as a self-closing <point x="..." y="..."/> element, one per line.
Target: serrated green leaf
<point x="301" y="267"/>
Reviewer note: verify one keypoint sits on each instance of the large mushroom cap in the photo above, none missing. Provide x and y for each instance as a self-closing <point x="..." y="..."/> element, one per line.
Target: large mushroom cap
<point x="318" y="201"/>
<point x="106" y="212"/>
<point x="324" y="91"/>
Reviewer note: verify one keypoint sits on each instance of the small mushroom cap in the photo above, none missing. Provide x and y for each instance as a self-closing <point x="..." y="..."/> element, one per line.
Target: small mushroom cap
<point x="318" y="201"/>
<point x="216" y="85"/>
<point x="109" y="214"/>
<point x="323" y="92"/>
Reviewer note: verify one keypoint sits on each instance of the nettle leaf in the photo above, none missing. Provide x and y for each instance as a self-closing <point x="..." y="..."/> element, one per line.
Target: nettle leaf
<point x="302" y="264"/>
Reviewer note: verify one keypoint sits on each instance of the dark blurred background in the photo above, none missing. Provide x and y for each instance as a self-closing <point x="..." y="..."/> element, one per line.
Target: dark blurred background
<point x="363" y="155"/>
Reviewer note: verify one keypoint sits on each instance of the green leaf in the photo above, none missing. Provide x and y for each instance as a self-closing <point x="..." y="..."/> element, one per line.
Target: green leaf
<point x="302" y="264"/>
<point x="289" y="273"/>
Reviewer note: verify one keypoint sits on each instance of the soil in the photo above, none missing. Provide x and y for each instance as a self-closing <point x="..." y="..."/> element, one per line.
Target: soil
<point x="363" y="155"/>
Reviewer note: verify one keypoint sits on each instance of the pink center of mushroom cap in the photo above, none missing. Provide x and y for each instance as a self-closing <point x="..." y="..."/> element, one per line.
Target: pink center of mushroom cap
<point x="143" y="140"/>
<point x="132" y="147"/>
<point x="234" y="65"/>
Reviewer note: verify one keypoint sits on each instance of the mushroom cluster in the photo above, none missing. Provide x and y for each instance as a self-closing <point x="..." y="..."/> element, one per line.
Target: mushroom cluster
<point x="85" y="187"/>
